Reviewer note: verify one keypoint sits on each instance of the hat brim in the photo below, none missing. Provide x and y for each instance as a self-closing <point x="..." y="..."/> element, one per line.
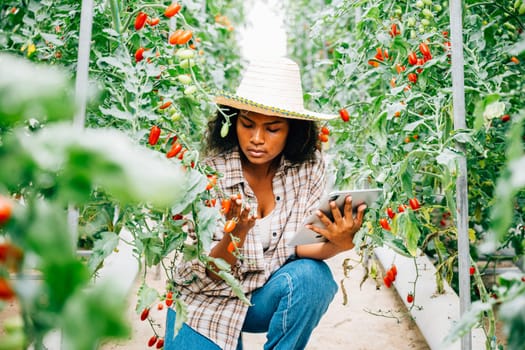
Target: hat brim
<point x="239" y="102"/>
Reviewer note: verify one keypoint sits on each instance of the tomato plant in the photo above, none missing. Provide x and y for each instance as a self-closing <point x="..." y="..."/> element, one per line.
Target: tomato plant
<point x="393" y="100"/>
<point x="134" y="71"/>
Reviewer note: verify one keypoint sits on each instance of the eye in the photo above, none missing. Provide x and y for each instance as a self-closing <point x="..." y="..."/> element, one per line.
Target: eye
<point x="246" y="125"/>
<point x="274" y="130"/>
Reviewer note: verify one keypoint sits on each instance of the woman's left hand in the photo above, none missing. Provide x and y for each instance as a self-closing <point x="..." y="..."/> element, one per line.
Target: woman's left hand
<point x="340" y="232"/>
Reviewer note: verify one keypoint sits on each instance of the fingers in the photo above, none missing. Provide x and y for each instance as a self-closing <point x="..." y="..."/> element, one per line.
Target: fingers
<point x="360" y="214"/>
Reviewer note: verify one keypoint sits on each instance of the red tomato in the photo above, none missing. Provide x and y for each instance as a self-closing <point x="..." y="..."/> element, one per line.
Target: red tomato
<point x="425" y="51"/>
<point x="400" y="208"/>
<point x="160" y="343"/>
<point x="174" y="37"/>
<point x="515" y="60"/>
<point x="412" y="77"/>
<point x="226" y="204"/>
<point x="172" y="10"/>
<point x="323" y="137"/>
<point x="505" y="118"/>
<point x="213" y="181"/>
<point x="410" y="298"/>
<point x="152" y="340"/>
<point x="379" y="54"/>
<point x="393" y="268"/>
<point x="145" y="313"/>
<point x="412" y="59"/>
<point x="393" y="30"/>
<point x="169" y="302"/>
<point x="325" y="130"/>
<point x="373" y="63"/>
<point x="230" y="226"/>
<point x="414" y="203"/>
<point x="472" y="270"/>
<point x="231" y="247"/>
<point x="165" y="105"/>
<point x="174" y="150"/>
<point x="160" y="306"/>
<point x="384" y="224"/>
<point x="400" y="68"/>
<point x="5" y="209"/>
<point x="154" y="21"/>
<point x="387" y="281"/>
<point x="6" y="292"/>
<point x="154" y="135"/>
<point x="139" y="54"/>
<point x="181" y="154"/>
<point x="140" y="20"/>
<point x="390" y="213"/>
<point x="184" y="37"/>
<point x="391" y="276"/>
<point x="344" y="114"/>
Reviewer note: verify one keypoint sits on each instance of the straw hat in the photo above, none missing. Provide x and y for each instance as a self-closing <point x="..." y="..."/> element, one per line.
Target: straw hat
<point x="271" y="86"/>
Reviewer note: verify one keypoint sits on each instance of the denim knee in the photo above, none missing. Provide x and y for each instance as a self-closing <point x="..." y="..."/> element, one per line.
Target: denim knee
<point x="314" y="278"/>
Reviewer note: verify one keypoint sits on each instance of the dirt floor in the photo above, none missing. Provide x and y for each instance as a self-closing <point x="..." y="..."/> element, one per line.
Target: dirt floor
<point x="353" y="326"/>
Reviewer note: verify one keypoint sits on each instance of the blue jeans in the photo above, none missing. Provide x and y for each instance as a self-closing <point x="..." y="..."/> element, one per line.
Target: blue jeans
<point x="288" y="308"/>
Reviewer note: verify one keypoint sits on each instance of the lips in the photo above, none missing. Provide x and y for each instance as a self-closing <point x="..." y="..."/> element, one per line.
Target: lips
<point x="255" y="153"/>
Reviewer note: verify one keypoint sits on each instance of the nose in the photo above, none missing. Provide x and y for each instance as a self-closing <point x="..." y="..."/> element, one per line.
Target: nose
<point x="257" y="136"/>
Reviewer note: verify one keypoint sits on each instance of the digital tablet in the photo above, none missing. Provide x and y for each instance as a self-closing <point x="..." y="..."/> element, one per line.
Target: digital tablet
<point x="307" y="236"/>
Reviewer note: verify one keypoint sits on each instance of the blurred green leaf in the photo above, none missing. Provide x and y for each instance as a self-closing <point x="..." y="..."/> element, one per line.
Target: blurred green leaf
<point x="94" y="314"/>
<point x="28" y="90"/>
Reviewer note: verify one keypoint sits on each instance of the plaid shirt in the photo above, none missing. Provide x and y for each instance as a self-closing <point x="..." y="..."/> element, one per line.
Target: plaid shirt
<point x="213" y="309"/>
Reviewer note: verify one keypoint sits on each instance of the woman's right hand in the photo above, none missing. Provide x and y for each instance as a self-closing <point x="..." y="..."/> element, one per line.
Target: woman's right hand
<point x="241" y="215"/>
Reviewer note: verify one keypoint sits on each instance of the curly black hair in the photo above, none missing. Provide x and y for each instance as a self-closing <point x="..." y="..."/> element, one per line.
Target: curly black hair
<point x="301" y="144"/>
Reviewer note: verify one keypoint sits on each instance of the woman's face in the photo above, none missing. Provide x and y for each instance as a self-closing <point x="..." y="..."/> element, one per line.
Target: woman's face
<point x="261" y="137"/>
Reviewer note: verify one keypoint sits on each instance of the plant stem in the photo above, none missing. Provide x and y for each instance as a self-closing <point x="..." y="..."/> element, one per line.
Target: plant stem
<point x="116" y="16"/>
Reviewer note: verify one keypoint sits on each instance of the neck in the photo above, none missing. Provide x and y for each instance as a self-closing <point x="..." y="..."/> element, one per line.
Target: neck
<point x="266" y="169"/>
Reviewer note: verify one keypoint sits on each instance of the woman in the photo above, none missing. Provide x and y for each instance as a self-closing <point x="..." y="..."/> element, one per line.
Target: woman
<point x="269" y="157"/>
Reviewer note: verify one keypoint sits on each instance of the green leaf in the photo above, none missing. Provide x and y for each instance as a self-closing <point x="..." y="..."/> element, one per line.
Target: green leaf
<point x="94" y="314"/>
<point x="28" y="90"/>
<point x="467" y="321"/>
<point x="146" y="297"/>
<point x="182" y="315"/>
<point x="103" y="247"/>
<point x="234" y="284"/>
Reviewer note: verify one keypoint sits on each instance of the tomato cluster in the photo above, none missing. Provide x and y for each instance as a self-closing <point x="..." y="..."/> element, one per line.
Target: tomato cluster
<point x="414" y="205"/>
<point x="390" y="276"/>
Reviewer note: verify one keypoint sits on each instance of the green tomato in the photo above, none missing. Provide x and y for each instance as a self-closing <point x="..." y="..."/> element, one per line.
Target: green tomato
<point x="190" y="90"/>
<point x="413" y="34"/>
<point x="425" y="22"/>
<point x="521" y="10"/>
<point x="184" y="79"/>
<point x="185" y="54"/>
<point x="427" y="13"/>
<point x="13" y="341"/>
<point x="411" y="21"/>
<point x="13" y="325"/>
<point x="419" y="4"/>
<point x="224" y="129"/>
<point x="175" y="116"/>
<point x="187" y="63"/>
<point x="427" y="2"/>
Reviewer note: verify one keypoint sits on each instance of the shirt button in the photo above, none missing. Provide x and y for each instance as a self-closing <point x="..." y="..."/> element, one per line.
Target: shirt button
<point x="278" y="198"/>
<point x="274" y="234"/>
